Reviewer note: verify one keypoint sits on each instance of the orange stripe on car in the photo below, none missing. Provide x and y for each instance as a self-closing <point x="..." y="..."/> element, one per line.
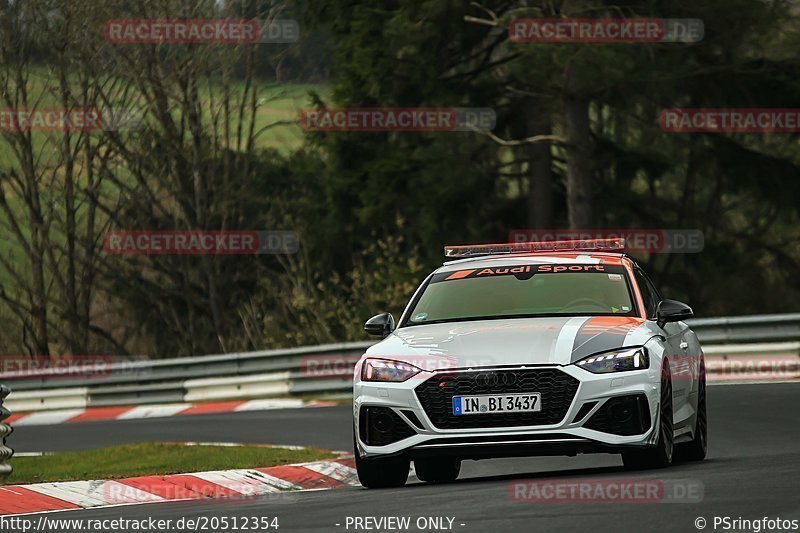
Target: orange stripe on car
<point x="611" y="324"/>
<point x="459" y="274"/>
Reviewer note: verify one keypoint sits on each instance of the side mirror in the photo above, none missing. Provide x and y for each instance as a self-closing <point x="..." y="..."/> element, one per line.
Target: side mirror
<point x="381" y="324"/>
<point x="672" y="311"/>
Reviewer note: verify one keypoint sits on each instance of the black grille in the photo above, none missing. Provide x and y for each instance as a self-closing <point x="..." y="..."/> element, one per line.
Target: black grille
<point x="557" y="390"/>
<point x="623" y="415"/>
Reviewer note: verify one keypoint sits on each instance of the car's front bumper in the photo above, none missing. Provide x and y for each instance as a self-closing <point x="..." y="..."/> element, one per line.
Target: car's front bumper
<point x="566" y="437"/>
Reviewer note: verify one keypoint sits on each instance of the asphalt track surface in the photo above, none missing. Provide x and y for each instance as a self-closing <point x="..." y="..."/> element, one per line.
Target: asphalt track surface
<point x="323" y="427"/>
<point x="752" y="471"/>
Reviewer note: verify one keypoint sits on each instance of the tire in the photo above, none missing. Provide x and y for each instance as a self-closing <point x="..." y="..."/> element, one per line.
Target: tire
<point x="437" y="470"/>
<point x="695" y="450"/>
<point x="381" y="473"/>
<point x="661" y="454"/>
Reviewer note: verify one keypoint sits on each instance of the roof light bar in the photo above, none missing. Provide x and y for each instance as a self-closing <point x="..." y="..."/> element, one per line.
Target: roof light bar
<point x="582" y="245"/>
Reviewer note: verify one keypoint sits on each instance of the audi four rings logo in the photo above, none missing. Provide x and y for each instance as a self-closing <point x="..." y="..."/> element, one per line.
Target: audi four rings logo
<point x="486" y="379"/>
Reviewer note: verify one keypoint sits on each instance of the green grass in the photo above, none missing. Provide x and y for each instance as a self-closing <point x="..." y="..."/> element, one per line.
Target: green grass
<point x="284" y="102"/>
<point x="151" y="459"/>
<point x="277" y="102"/>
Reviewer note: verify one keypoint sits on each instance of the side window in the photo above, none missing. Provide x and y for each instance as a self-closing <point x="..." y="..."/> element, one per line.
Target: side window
<point x="656" y="297"/>
<point x="649" y="293"/>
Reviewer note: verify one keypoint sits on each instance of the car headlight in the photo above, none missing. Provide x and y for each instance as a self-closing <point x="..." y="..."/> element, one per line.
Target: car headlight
<point x="387" y="370"/>
<point x="616" y="361"/>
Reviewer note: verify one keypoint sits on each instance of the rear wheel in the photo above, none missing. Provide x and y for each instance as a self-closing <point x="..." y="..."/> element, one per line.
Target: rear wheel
<point x="696" y="449"/>
<point x="660" y="455"/>
<point x="381" y="473"/>
<point x="437" y="470"/>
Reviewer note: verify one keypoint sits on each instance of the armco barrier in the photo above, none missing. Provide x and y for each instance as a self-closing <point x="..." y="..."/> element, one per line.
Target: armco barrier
<point x="237" y="387"/>
<point x="747" y="329"/>
<point x="231" y="376"/>
<point x="177" y="370"/>
<point x="40" y="400"/>
<point x="5" y="431"/>
<point x="133" y="394"/>
<point x="280" y="372"/>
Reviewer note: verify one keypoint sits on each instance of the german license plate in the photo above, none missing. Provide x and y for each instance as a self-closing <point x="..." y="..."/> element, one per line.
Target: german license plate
<point x="497" y="403"/>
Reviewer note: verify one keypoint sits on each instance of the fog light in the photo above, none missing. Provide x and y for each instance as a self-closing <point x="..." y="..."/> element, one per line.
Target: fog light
<point x="382" y="422"/>
<point x="621" y="412"/>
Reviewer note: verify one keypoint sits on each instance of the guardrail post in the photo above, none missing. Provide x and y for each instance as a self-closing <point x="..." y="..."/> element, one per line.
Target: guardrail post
<point x="5" y="431"/>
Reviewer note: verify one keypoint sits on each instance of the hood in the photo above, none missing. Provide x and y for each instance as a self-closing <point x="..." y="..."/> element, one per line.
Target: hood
<point x="519" y="341"/>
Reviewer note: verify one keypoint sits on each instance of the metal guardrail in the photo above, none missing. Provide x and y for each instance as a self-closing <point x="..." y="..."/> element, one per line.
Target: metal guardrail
<point x="238" y="375"/>
<point x="5" y="431"/>
<point x="747" y="328"/>
<point x="284" y="372"/>
<point x="168" y="375"/>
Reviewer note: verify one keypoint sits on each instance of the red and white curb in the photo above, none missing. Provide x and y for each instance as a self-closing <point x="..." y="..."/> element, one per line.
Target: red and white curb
<point x="278" y="482"/>
<point x="61" y="416"/>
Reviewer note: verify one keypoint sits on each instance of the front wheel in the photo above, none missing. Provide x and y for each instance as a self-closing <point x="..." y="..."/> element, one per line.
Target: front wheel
<point x="695" y="450"/>
<point x="381" y="473"/>
<point x="660" y="455"/>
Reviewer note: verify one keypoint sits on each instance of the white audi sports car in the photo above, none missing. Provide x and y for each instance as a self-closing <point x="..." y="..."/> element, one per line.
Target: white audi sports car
<point x="529" y="349"/>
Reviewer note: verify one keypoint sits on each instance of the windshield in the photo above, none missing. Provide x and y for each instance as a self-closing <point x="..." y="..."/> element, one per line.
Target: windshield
<point x="524" y="291"/>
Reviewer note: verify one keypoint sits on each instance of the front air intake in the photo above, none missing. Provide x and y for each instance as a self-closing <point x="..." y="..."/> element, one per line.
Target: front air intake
<point x="623" y="415"/>
<point x="379" y="426"/>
